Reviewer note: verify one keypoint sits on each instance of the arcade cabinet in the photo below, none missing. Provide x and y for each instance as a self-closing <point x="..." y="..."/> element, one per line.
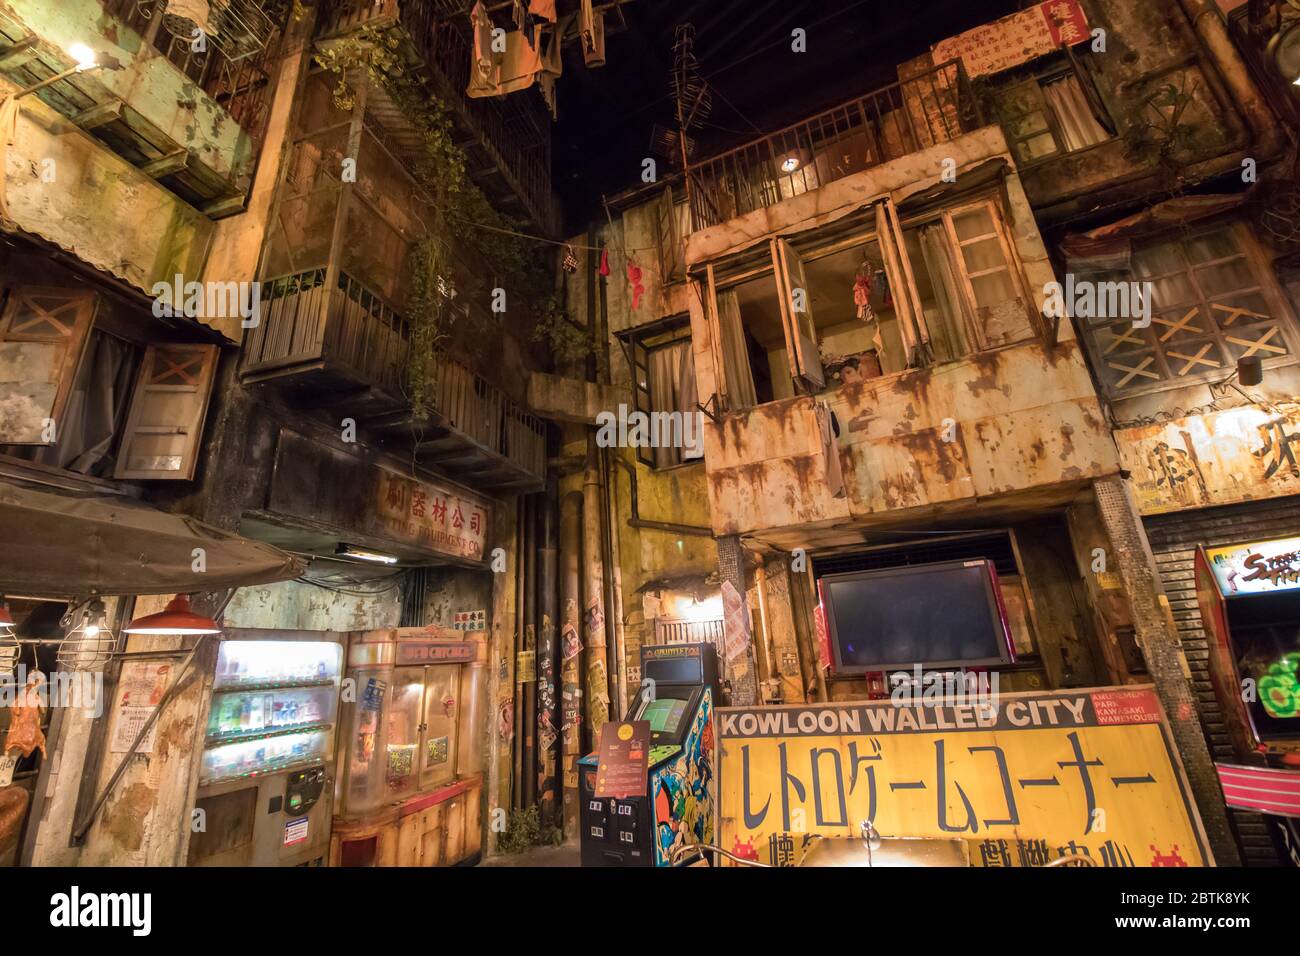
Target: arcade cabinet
<point x="678" y="805"/>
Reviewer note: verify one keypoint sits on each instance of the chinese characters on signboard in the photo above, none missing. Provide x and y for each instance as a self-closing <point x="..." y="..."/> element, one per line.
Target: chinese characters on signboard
<point x="432" y="517"/>
<point x="1024" y="780"/>
<point x="1224" y="457"/>
<point x="1016" y="39"/>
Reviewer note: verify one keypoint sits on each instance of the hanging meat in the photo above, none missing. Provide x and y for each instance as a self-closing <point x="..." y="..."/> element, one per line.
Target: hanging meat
<point x="25" y="734"/>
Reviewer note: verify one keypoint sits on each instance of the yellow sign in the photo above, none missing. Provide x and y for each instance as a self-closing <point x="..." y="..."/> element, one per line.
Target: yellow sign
<point x="1024" y="778"/>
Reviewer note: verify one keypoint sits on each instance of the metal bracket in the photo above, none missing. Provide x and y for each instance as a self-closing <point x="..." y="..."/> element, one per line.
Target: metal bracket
<point x="711" y="412"/>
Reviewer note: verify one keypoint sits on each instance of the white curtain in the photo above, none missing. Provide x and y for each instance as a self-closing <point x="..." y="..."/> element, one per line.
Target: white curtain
<point x="1079" y="127"/>
<point x="665" y="392"/>
<point x="944" y="319"/>
<point x="735" y="356"/>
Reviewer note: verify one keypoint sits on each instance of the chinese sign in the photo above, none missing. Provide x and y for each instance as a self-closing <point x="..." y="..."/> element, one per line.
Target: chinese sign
<point x="1016" y="39"/>
<point x="470" y="620"/>
<point x="1260" y="567"/>
<point x="444" y="652"/>
<point x="142" y="687"/>
<point x="1225" y="457"/>
<point x="432" y="517"/>
<point x="1024" y="781"/>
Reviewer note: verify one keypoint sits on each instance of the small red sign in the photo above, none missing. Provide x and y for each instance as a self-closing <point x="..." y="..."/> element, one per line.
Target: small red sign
<point x="1126" y="707"/>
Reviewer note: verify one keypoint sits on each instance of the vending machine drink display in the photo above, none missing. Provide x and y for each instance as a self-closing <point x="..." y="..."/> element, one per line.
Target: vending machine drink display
<point x="410" y="780"/>
<point x="268" y="751"/>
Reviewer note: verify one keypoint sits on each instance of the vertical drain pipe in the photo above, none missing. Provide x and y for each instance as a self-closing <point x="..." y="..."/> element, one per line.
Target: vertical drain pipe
<point x="569" y="700"/>
<point x="594" y="636"/>
<point x="516" y="740"/>
<point x="524" y="691"/>
<point x="547" y="719"/>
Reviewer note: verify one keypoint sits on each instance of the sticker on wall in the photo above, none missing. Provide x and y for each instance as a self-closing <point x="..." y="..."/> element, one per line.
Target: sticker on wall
<point x="470" y="620"/>
<point x="372" y="698"/>
<point x="595" y="623"/>
<point x="142" y="687"/>
<point x="546" y="733"/>
<point x="436" y="749"/>
<point x="506" y="718"/>
<point x="525" y="667"/>
<point x="571" y="712"/>
<point x="736" y="616"/>
<point x="570" y="642"/>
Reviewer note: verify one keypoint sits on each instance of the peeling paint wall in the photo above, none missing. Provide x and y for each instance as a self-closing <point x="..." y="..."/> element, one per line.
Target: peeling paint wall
<point x="294" y="605"/>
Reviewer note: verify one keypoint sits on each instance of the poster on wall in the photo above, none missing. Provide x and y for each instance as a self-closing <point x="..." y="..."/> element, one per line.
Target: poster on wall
<point x="1023" y="779"/>
<point x="1015" y="39"/>
<point x="142" y="687"/>
<point x="1259" y="567"/>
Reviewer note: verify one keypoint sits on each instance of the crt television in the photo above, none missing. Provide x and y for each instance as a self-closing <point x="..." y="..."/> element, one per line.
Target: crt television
<point x="943" y="615"/>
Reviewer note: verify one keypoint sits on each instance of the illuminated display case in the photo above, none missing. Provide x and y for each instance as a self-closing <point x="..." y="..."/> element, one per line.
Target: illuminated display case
<point x="405" y="732"/>
<point x="273" y="708"/>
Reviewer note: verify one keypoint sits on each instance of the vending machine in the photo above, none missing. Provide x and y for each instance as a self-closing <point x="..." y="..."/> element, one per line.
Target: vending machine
<point x="268" y="750"/>
<point x="410" y="786"/>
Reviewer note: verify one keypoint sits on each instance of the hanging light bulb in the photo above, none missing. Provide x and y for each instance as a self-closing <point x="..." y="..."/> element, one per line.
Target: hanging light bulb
<point x="9" y="646"/>
<point x="176" y="618"/>
<point x="90" y="644"/>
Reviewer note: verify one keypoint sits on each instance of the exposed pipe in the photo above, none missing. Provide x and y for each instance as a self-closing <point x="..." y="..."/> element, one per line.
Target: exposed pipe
<point x="516" y="739"/>
<point x="636" y="521"/>
<point x="528" y="689"/>
<point x="547" y="665"/>
<point x="570" y="691"/>
<point x="595" y="638"/>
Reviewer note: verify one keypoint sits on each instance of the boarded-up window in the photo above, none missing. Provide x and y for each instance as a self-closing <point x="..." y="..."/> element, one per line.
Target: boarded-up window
<point x="167" y="412"/>
<point x="673" y="227"/>
<point x="42" y="333"/>
<point x="988" y="269"/>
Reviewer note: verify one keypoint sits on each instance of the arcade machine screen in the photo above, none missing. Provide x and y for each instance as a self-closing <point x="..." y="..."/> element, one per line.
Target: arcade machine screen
<point x="665" y="714"/>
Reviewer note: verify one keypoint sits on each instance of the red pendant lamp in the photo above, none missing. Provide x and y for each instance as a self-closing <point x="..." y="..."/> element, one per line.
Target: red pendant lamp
<point x="6" y="619"/>
<point x="175" y="618"/>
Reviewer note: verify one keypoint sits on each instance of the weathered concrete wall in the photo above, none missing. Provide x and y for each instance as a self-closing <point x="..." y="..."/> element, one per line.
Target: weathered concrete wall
<point x="162" y="95"/>
<point x="295" y="605"/>
<point x="99" y="207"/>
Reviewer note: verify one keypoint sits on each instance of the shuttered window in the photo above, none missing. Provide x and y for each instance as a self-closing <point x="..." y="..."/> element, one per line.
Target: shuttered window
<point x="42" y="335"/>
<point x="165" y="423"/>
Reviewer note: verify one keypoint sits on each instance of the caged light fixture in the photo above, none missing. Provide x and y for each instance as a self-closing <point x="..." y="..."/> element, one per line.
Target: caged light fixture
<point x="90" y="643"/>
<point x="9" y="646"/>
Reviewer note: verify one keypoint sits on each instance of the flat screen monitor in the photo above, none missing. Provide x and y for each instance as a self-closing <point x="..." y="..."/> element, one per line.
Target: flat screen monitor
<point x="668" y="712"/>
<point x="942" y="615"/>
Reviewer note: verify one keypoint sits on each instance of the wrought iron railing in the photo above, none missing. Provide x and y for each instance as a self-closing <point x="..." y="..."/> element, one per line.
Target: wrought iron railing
<point x="233" y="66"/>
<point x="930" y="108"/>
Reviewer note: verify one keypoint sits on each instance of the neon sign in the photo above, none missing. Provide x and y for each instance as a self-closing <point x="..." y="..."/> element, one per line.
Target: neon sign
<point x="1259" y="567"/>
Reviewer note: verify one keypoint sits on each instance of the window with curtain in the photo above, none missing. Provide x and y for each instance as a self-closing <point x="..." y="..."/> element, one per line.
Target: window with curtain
<point x="1213" y="302"/>
<point x="663" y="374"/>
<point x="1056" y="111"/>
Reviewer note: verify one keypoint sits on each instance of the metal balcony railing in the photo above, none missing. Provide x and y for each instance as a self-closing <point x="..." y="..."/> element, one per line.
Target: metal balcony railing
<point x="933" y="107"/>
<point x="350" y="334"/>
<point x="517" y="140"/>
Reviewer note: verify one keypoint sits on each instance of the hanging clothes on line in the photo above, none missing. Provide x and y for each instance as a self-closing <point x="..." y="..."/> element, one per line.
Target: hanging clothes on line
<point x="481" y="24"/>
<point x="543" y="9"/>
<point x="634" y="277"/>
<point x="552" y="56"/>
<point x="591" y="32"/>
<point x="517" y="69"/>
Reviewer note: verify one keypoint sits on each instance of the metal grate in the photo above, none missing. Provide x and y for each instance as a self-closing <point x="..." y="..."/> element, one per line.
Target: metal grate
<point x="995" y="547"/>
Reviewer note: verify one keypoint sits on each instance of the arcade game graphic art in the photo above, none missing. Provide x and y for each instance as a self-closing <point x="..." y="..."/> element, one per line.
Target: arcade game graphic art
<point x="677" y="805"/>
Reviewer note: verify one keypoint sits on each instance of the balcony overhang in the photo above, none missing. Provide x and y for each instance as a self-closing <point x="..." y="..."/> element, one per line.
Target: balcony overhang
<point x="149" y="112"/>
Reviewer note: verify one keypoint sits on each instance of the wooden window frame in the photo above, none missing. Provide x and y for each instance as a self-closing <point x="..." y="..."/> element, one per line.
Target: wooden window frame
<point x="203" y="386"/>
<point x="638" y="353"/>
<point x="73" y="346"/>
<point x="1066" y="64"/>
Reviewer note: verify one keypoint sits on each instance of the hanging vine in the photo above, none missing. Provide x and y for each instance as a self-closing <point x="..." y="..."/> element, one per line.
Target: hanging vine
<point x="459" y="207"/>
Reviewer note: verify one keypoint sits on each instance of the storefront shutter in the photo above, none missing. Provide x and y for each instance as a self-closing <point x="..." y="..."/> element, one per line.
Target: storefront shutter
<point x="165" y="423"/>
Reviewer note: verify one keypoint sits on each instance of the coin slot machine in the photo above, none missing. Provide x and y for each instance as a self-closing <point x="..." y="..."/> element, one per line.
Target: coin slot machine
<point x="679" y="692"/>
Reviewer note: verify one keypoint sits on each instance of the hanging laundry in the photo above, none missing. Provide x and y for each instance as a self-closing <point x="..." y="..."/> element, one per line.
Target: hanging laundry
<point x="570" y="262"/>
<point x="830" y="451"/>
<point x="542" y="9"/>
<point x="591" y="31"/>
<point x="604" y="262"/>
<point x="862" y="295"/>
<point x="547" y="41"/>
<point x="546" y="83"/>
<point x="634" y="277"/>
<point x="516" y="70"/>
<point x="484" y="62"/>
<point x="520" y="14"/>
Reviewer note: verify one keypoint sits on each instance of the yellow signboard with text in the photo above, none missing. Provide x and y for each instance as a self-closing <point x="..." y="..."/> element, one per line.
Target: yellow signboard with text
<point x="1023" y="778"/>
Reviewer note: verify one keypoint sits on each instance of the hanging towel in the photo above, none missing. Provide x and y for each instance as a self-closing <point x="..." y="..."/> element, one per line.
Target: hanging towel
<point x="517" y="69"/>
<point x="634" y="277"/>
<point x="547" y="41"/>
<point x="830" y="451"/>
<point x="542" y="9"/>
<point x="484" y="63"/>
<point x="591" y="31"/>
<point x="604" y="262"/>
